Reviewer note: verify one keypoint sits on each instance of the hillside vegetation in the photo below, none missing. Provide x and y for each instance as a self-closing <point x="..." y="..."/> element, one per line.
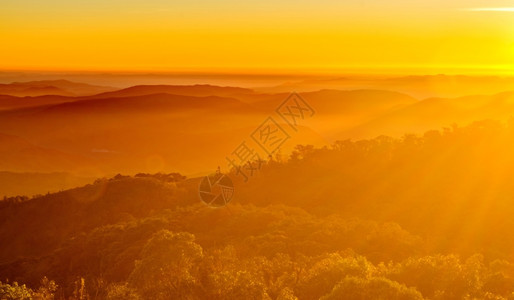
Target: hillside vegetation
<point x="356" y="220"/>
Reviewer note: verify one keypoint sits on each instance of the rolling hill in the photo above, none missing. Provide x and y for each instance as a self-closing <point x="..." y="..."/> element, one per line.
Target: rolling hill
<point x="436" y="113"/>
<point x="51" y="87"/>
<point x="198" y="90"/>
<point x="13" y="102"/>
<point x="419" y="86"/>
<point x="18" y="154"/>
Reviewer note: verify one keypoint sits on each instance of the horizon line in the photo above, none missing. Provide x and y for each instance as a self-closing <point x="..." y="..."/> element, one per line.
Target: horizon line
<point x="436" y="70"/>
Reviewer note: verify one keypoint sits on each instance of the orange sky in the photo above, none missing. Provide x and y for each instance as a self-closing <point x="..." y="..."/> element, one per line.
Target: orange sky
<point x="158" y="35"/>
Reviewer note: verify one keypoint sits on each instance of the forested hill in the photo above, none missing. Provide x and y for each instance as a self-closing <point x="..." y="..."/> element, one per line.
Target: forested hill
<point x="406" y="218"/>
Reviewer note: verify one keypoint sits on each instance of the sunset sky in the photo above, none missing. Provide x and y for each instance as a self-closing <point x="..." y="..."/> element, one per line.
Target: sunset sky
<point x="207" y="35"/>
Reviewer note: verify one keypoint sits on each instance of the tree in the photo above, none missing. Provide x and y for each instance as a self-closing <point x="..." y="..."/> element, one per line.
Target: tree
<point x="14" y="291"/>
<point x="121" y="292"/>
<point x="46" y="290"/>
<point x="168" y="266"/>
<point x="327" y="272"/>
<point x="376" y="288"/>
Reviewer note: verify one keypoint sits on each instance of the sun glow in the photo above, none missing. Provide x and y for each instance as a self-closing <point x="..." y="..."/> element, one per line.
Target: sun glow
<point x="162" y="36"/>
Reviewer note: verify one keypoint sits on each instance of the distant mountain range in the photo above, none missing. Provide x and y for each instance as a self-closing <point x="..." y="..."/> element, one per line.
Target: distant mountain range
<point x="425" y="86"/>
<point x="199" y="90"/>
<point x="51" y="87"/>
<point x="436" y="113"/>
<point x="192" y="129"/>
